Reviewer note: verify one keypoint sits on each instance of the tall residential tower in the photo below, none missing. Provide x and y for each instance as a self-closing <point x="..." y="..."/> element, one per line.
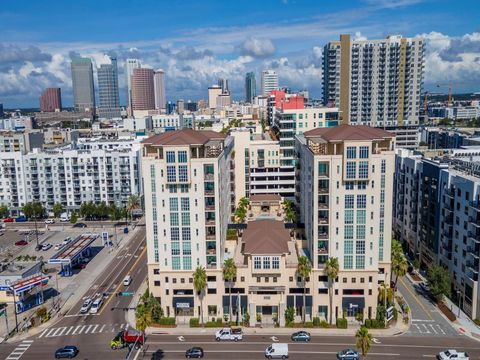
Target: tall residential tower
<point x="269" y="81"/>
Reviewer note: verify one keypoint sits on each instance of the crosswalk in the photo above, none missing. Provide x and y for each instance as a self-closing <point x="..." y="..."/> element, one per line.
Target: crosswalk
<point x="75" y="330"/>
<point x="19" y="350"/>
<point x="429" y="328"/>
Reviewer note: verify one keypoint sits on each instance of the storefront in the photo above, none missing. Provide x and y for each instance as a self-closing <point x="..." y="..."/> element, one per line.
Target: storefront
<point x="184" y="305"/>
<point x="353" y="305"/>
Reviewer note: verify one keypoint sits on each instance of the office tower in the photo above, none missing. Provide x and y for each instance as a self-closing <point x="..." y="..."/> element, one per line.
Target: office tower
<point x="159" y="86"/>
<point x="191" y="106"/>
<point x="224" y="100"/>
<point x="1" y="109"/>
<point x="375" y="82"/>
<point x="180" y="106"/>
<point x="269" y="81"/>
<point x="109" y="102"/>
<point x="51" y="100"/>
<point x="201" y="104"/>
<point x="143" y="90"/>
<point x="186" y="182"/>
<point x="82" y="82"/>
<point x="250" y="87"/>
<point x="223" y="83"/>
<point x="130" y="65"/>
<point x="345" y="188"/>
<point x="213" y="92"/>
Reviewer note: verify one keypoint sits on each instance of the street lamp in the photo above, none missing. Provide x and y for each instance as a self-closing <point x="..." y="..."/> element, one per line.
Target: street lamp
<point x="7" y="282"/>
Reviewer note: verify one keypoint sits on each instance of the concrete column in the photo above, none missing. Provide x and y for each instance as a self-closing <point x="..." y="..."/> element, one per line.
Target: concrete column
<point x="281" y="314"/>
<point x="253" y="314"/>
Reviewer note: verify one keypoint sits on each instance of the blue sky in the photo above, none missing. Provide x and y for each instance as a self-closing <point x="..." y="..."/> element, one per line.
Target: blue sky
<point x="196" y="42"/>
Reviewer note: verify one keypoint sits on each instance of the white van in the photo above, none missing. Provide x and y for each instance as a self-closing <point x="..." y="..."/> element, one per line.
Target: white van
<point x="127" y="280"/>
<point x="277" y="351"/>
<point x="64" y="217"/>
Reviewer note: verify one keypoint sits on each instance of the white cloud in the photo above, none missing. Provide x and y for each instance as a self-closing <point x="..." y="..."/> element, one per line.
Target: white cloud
<point x="258" y="47"/>
<point x="359" y="37"/>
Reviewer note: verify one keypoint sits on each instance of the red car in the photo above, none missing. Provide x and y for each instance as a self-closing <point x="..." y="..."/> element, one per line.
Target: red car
<point x="8" y="219"/>
<point x="21" y="243"/>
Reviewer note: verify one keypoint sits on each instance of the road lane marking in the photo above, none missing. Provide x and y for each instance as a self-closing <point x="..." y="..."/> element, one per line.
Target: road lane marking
<point x="77" y="328"/>
<point x="43" y="333"/>
<point x="59" y="331"/>
<point x="421" y="320"/>
<point x="51" y="330"/>
<point x="69" y="330"/>
<point x="101" y="329"/>
<point x="95" y="328"/>
<point x="19" y="350"/>
<point x="416" y="299"/>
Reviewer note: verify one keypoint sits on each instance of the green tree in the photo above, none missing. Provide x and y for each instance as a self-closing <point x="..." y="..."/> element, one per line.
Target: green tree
<point x="33" y="210"/>
<point x="244" y="202"/>
<point x="396" y="248"/>
<point x="154" y="308"/>
<point x="102" y="210"/>
<point x="304" y="268"/>
<point x="240" y="214"/>
<point x="57" y="209"/>
<point x="331" y="269"/>
<point x="264" y="125"/>
<point x="200" y="284"/>
<point x="133" y="203"/>
<point x="73" y="218"/>
<point x="363" y="341"/>
<point x="399" y="266"/>
<point x="115" y="212"/>
<point x="289" y="314"/>
<point x="439" y="280"/>
<point x="229" y="271"/>
<point x="4" y="212"/>
<point x="290" y="211"/>
<point x="88" y="210"/>
<point x="143" y="318"/>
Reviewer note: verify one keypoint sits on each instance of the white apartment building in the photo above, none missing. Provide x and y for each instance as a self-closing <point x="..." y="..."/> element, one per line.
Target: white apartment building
<point x="20" y="141"/>
<point x="89" y="171"/>
<point x="344" y="192"/>
<point x="269" y="81"/>
<point x="167" y="122"/>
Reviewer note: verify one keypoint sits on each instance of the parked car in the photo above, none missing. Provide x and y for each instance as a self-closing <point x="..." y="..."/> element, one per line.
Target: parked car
<point x="452" y="354"/>
<point x="86" y="306"/>
<point x="46" y="247"/>
<point x="39" y="247"/>
<point x="21" y="243"/>
<point x="194" y="352"/>
<point x="8" y="219"/>
<point x="348" y="354"/>
<point x="67" y="240"/>
<point x="97" y="304"/>
<point x="20" y="218"/>
<point x="425" y="287"/>
<point x="68" y="351"/>
<point x="80" y="225"/>
<point x="49" y="221"/>
<point x="229" y="334"/>
<point x="277" y="351"/>
<point x="301" y="336"/>
<point x="58" y="246"/>
<point x="126" y="337"/>
<point x="64" y="217"/>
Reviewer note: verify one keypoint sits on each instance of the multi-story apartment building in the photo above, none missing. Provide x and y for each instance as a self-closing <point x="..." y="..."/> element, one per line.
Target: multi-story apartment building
<point x="376" y="83"/>
<point x="109" y="101"/>
<point x="213" y="92"/>
<point x="344" y="194"/>
<point x="269" y="81"/>
<point x="20" y="141"/>
<point x="90" y="171"/>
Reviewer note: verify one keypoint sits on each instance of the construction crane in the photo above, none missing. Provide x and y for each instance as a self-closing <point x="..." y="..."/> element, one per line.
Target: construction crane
<point x="450" y="99"/>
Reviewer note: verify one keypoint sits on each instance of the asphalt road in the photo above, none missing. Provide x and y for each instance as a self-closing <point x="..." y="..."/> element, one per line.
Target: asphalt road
<point x="91" y="333"/>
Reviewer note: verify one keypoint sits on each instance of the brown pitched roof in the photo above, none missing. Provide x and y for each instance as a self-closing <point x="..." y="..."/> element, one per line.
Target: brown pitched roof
<point x="265" y="197"/>
<point x="184" y="137"/>
<point x="349" y="132"/>
<point x="266" y="237"/>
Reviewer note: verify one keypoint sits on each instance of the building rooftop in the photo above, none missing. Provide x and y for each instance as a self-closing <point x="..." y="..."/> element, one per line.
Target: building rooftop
<point x="349" y="132"/>
<point x="266" y="237"/>
<point x="265" y="197"/>
<point x="184" y="137"/>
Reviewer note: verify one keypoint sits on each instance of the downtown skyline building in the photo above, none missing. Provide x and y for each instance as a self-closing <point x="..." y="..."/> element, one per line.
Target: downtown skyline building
<point x="269" y="81"/>
<point x="143" y="89"/>
<point x="51" y="100"/>
<point x="250" y="87"/>
<point x="108" y="95"/>
<point x="83" y="87"/>
<point x="130" y="65"/>
<point x="159" y="89"/>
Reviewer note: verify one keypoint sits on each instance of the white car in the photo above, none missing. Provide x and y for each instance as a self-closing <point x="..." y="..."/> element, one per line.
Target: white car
<point x="452" y="354"/>
<point x="97" y="304"/>
<point x="87" y="304"/>
<point x="58" y="246"/>
<point x="46" y="247"/>
<point x="49" y="221"/>
<point x="67" y="240"/>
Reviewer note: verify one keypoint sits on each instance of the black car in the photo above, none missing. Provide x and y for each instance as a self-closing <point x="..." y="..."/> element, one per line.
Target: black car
<point x="80" y="225"/>
<point x="68" y="352"/>
<point x="195" y="352"/>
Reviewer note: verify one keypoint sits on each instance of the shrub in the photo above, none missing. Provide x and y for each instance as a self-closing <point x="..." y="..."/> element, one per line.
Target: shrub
<point x="368" y="323"/>
<point x="342" y="323"/>
<point x="308" y="324"/>
<point x="246" y="319"/>
<point x="395" y="314"/>
<point x="259" y="317"/>
<point x="324" y="324"/>
<point x="316" y="321"/>
<point x="194" y="322"/>
<point x="289" y="314"/>
<point x="167" y="321"/>
<point x="290" y="324"/>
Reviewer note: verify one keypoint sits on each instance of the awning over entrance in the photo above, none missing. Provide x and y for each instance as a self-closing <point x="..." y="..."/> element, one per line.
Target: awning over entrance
<point x="353" y="303"/>
<point x="182" y="302"/>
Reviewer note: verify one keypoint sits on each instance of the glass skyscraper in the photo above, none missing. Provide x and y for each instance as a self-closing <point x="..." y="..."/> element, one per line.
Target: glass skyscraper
<point x="108" y="90"/>
<point x="250" y="87"/>
<point x="82" y="83"/>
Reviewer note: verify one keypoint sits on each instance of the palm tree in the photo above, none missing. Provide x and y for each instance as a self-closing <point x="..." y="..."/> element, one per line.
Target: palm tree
<point x="304" y="268"/>
<point x="290" y="212"/>
<point x="229" y="273"/>
<point x="396" y="248"/>
<point x="143" y="317"/>
<point x="240" y="214"/>
<point x="399" y="267"/>
<point x="244" y="202"/>
<point x="133" y="203"/>
<point x="331" y="269"/>
<point x="364" y="340"/>
<point x="200" y="284"/>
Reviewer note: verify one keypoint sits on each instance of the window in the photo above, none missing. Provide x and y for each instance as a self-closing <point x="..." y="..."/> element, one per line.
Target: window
<point x="175" y="248"/>
<point x="257" y="262"/>
<point x="183" y="173"/>
<point x="349" y="185"/>
<point x="360" y="247"/>
<point x="361" y="232"/>
<point x="348" y="247"/>
<point x="363" y="170"/>
<point x="186" y="236"/>
<point x="187" y="263"/>
<point x="174" y="219"/>
<point x="187" y="248"/>
<point x="156" y="271"/>
<point x="266" y="262"/>
<point x="176" y="262"/>
<point x="351" y="152"/>
<point x="364" y="152"/>
<point x="171" y="174"/>
<point x="351" y="171"/>
<point x="275" y="262"/>
<point x="348" y="262"/>
<point x="156" y="283"/>
<point x="182" y="156"/>
<point x="348" y="216"/>
<point x="175" y="234"/>
<point x="361" y="185"/>
<point x="349" y="201"/>
<point x="170" y="157"/>
<point x="185" y="219"/>
<point x="173" y="204"/>
<point x="383" y="167"/>
<point x="185" y="203"/>
<point x="361" y="214"/>
<point x="361" y="201"/>
<point x="360" y="261"/>
<point x="348" y="232"/>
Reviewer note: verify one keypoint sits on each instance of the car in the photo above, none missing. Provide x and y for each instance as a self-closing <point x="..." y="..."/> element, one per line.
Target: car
<point x="38" y="247"/>
<point x="8" y="219"/>
<point x="68" y="352"/>
<point x="58" y="246"/>
<point x="21" y="243"/>
<point x="194" y="352"/>
<point x="49" y="221"/>
<point x="20" y="218"/>
<point x="67" y="240"/>
<point x="301" y="336"/>
<point x="97" y="304"/>
<point x="425" y="287"/>
<point x="452" y="354"/>
<point x="80" y="225"/>
<point x="46" y="247"/>
<point x="348" y="354"/>
<point x="87" y="304"/>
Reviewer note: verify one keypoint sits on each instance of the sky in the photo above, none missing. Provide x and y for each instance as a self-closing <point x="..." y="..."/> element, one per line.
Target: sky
<point x="196" y="42"/>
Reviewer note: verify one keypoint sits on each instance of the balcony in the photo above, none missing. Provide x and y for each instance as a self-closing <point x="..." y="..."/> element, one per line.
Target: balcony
<point x="475" y="205"/>
<point x="322" y="248"/>
<point x="209" y="177"/>
<point x="474" y="235"/>
<point x="475" y="220"/>
<point x="323" y="220"/>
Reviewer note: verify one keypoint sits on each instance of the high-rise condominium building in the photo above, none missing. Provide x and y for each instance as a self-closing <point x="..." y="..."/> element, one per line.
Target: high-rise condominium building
<point x="109" y="102"/>
<point x="250" y="87"/>
<point x="223" y="83"/>
<point x="213" y="92"/>
<point x="82" y="82"/>
<point x="269" y="81"/>
<point x="143" y="89"/>
<point x="344" y="194"/>
<point x="130" y="64"/>
<point x="159" y="86"/>
<point x="51" y="100"/>
<point x="376" y="82"/>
